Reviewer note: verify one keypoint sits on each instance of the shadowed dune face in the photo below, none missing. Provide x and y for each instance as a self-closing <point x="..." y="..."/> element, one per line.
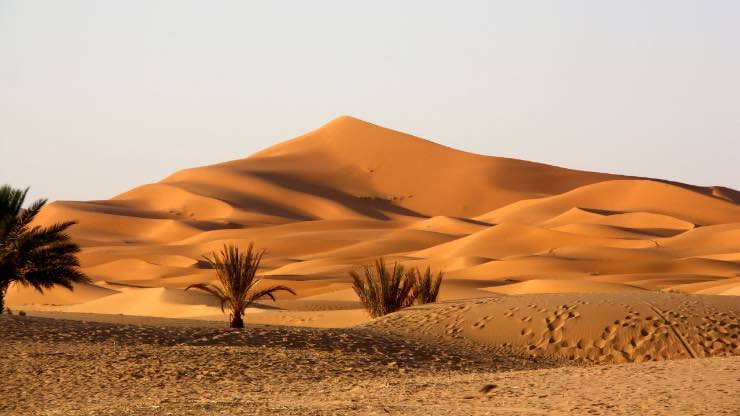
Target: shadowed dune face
<point x="337" y="197"/>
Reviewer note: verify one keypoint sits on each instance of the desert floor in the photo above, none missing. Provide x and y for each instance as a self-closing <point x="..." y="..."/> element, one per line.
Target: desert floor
<point x="85" y="364"/>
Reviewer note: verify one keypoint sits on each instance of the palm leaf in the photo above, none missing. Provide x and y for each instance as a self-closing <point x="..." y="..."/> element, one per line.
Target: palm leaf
<point x="268" y="292"/>
<point x="26" y="216"/>
<point x="40" y="257"/>
<point x="213" y="290"/>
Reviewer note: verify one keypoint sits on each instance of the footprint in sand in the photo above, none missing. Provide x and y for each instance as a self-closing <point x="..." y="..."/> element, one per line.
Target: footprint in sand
<point x="481" y="323"/>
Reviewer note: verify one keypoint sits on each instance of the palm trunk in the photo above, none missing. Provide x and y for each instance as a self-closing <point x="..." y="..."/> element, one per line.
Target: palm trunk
<point x="3" y="291"/>
<point x="236" y="319"/>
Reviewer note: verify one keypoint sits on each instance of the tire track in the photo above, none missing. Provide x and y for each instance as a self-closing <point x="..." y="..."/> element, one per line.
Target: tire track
<point x="675" y="330"/>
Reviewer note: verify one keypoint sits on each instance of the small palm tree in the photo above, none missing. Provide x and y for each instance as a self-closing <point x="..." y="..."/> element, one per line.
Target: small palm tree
<point x="381" y="290"/>
<point x="426" y="286"/>
<point x="236" y="272"/>
<point x="39" y="257"/>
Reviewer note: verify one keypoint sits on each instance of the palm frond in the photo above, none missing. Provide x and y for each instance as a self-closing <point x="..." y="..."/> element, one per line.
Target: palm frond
<point x="40" y="257"/>
<point x="26" y="216"/>
<point x="268" y="292"/>
<point x="49" y="276"/>
<point x="48" y="235"/>
<point x="11" y="201"/>
<point x="213" y="290"/>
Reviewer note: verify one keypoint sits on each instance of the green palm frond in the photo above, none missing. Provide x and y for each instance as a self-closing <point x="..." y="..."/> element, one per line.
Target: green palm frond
<point x="26" y="216"/>
<point x="11" y="201"/>
<point x="35" y="256"/>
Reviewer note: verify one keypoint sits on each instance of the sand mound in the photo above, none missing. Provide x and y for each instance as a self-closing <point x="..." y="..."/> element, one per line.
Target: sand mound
<point x="735" y="257"/>
<point x="20" y="295"/>
<point x="128" y="270"/>
<point x="605" y="231"/>
<point x="562" y="286"/>
<point x="378" y="160"/>
<point x="718" y="239"/>
<point x="449" y="225"/>
<point x="159" y="302"/>
<point x="346" y="169"/>
<point x="631" y="220"/>
<point x="729" y="286"/>
<point x="614" y="327"/>
<point x="506" y="240"/>
<point x="622" y="196"/>
<point x="394" y="242"/>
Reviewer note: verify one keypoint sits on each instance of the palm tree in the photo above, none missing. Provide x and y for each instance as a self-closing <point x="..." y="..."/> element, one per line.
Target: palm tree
<point x="381" y="290"/>
<point x="236" y="272"/>
<point x="426" y="286"/>
<point x="35" y="256"/>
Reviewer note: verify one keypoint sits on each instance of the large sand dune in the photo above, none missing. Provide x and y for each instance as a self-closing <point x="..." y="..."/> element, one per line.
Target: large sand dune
<point x="340" y="196"/>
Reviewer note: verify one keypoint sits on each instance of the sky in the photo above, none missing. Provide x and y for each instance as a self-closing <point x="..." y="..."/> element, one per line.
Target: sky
<point x="97" y="97"/>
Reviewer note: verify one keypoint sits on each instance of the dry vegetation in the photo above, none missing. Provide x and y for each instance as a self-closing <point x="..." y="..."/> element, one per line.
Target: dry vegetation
<point x="382" y="290"/>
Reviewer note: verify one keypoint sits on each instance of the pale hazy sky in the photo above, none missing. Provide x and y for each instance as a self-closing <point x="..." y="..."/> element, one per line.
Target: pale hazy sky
<point x="97" y="97"/>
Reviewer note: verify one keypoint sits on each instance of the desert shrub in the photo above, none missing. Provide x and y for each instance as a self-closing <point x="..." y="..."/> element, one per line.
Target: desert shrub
<point x="22" y="313"/>
<point x="426" y="285"/>
<point x="382" y="290"/>
<point x="8" y="311"/>
<point x="237" y="272"/>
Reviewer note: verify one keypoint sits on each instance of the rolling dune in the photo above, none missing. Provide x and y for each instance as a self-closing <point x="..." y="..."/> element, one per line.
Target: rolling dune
<point x="336" y="198"/>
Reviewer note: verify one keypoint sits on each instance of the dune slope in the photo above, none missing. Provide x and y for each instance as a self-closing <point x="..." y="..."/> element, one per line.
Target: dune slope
<point x="340" y="196"/>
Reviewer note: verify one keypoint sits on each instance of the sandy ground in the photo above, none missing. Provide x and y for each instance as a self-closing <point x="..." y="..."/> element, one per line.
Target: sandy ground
<point x="598" y="328"/>
<point x="589" y="327"/>
<point x="171" y="367"/>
